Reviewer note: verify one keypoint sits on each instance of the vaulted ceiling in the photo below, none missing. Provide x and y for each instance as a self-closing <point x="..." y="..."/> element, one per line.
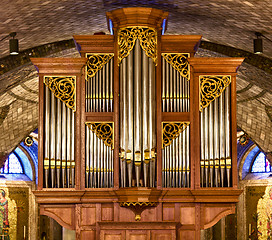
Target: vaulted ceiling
<point x="231" y="23"/>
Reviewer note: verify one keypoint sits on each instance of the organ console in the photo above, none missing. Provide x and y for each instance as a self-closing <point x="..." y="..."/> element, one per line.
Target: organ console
<point x="137" y="137"/>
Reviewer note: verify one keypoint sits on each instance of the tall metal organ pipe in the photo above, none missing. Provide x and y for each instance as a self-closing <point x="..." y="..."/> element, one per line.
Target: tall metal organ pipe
<point x="137" y="118"/>
<point x="215" y="142"/>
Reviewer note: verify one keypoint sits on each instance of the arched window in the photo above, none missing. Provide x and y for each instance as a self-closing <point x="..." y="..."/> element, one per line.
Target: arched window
<point x="260" y="164"/>
<point x="12" y="165"/>
<point x="24" y="159"/>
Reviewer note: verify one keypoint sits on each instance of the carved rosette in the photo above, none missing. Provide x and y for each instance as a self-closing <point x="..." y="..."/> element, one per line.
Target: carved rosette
<point x="179" y="61"/>
<point x="171" y="130"/>
<point x="28" y="141"/>
<point x="103" y="131"/>
<point x="211" y="87"/>
<point x="63" y="88"/>
<point x="127" y="37"/>
<point x="96" y="62"/>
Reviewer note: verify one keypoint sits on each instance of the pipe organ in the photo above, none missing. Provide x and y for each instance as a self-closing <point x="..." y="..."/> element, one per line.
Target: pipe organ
<point x="137" y="136"/>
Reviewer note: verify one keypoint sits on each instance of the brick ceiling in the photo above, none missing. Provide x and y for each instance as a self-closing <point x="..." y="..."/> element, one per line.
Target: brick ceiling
<point x="228" y="22"/>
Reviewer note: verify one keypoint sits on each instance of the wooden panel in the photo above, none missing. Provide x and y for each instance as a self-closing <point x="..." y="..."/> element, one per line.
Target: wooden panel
<point x="149" y="215"/>
<point x="163" y="235"/>
<point x="107" y="212"/>
<point x="187" y="215"/>
<point x="112" y="235"/>
<point x="126" y="215"/>
<point x="168" y="213"/>
<point x="90" y="235"/>
<point x="88" y="216"/>
<point x="137" y="235"/>
<point x="99" y="117"/>
<point x="187" y="235"/>
<point x="175" y="116"/>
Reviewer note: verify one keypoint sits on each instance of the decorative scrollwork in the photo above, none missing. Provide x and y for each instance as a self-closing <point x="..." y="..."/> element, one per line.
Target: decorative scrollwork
<point x="63" y="89"/>
<point x="179" y="62"/>
<point x="96" y="62"/>
<point x="148" y="40"/>
<point x="171" y="131"/>
<point x="28" y="141"/>
<point x="103" y="131"/>
<point x="211" y="87"/>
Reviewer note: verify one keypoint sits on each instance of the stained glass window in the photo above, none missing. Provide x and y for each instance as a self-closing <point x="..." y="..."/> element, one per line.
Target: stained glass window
<point x="261" y="164"/>
<point x="12" y="165"/>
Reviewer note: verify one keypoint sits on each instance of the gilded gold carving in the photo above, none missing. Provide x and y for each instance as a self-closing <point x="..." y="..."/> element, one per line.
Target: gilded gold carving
<point x="103" y="131"/>
<point x="171" y="131"/>
<point x="179" y="61"/>
<point x="96" y="62"/>
<point x="63" y="88"/>
<point x="28" y="141"/>
<point x="138" y="207"/>
<point x="127" y="37"/>
<point x="211" y="87"/>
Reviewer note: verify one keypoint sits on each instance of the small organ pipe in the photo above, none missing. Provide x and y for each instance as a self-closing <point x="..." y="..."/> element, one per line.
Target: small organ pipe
<point x="111" y="85"/>
<point x="88" y="147"/>
<point x="52" y="139"/>
<point x="163" y="86"/>
<point x="211" y="143"/>
<point x="47" y="136"/>
<point x="187" y="156"/>
<point x="68" y="160"/>
<point x="73" y="150"/>
<point x="145" y="115"/>
<point x="103" y="89"/>
<point x="222" y="140"/>
<point x="130" y="118"/>
<point x="64" y="144"/>
<point x="58" y="145"/>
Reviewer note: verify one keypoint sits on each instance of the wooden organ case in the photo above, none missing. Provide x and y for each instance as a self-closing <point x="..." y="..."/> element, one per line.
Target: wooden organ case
<point x="137" y="138"/>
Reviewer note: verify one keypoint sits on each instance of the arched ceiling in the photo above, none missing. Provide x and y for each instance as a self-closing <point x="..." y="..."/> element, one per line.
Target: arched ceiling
<point x="229" y="22"/>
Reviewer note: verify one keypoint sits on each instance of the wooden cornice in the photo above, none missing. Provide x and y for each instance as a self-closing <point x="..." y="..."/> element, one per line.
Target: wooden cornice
<point x="59" y="65"/>
<point x="136" y="16"/>
<point x="215" y="65"/>
<point x="94" y="44"/>
<point x="180" y="43"/>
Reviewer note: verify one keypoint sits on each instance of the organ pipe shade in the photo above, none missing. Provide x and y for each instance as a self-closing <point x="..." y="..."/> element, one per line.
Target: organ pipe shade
<point x="138" y="119"/>
<point x="59" y="133"/>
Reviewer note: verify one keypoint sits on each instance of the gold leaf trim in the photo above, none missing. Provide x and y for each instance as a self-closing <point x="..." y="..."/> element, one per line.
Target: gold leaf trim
<point x="179" y="61"/>
<point x="211" y="87"/>
<point x="171" y="131"/>
<point x="63" y="88"/>
<point x="127" y="37"/>
<point x="96" y="62"/>
<point x="138" y="204"/>
<point x="103" y="131"/>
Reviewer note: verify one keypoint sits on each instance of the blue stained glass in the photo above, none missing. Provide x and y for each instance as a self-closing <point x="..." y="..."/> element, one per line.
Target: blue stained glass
<point x="259" y="164"/>
<point x="12" y="165"/>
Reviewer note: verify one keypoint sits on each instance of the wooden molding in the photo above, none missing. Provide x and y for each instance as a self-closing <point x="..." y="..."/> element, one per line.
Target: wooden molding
<point x="215" y="65"/>
<point x="94" y="44"/>
<point x="180" y="43"/>
<point x="59" y="65"/>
